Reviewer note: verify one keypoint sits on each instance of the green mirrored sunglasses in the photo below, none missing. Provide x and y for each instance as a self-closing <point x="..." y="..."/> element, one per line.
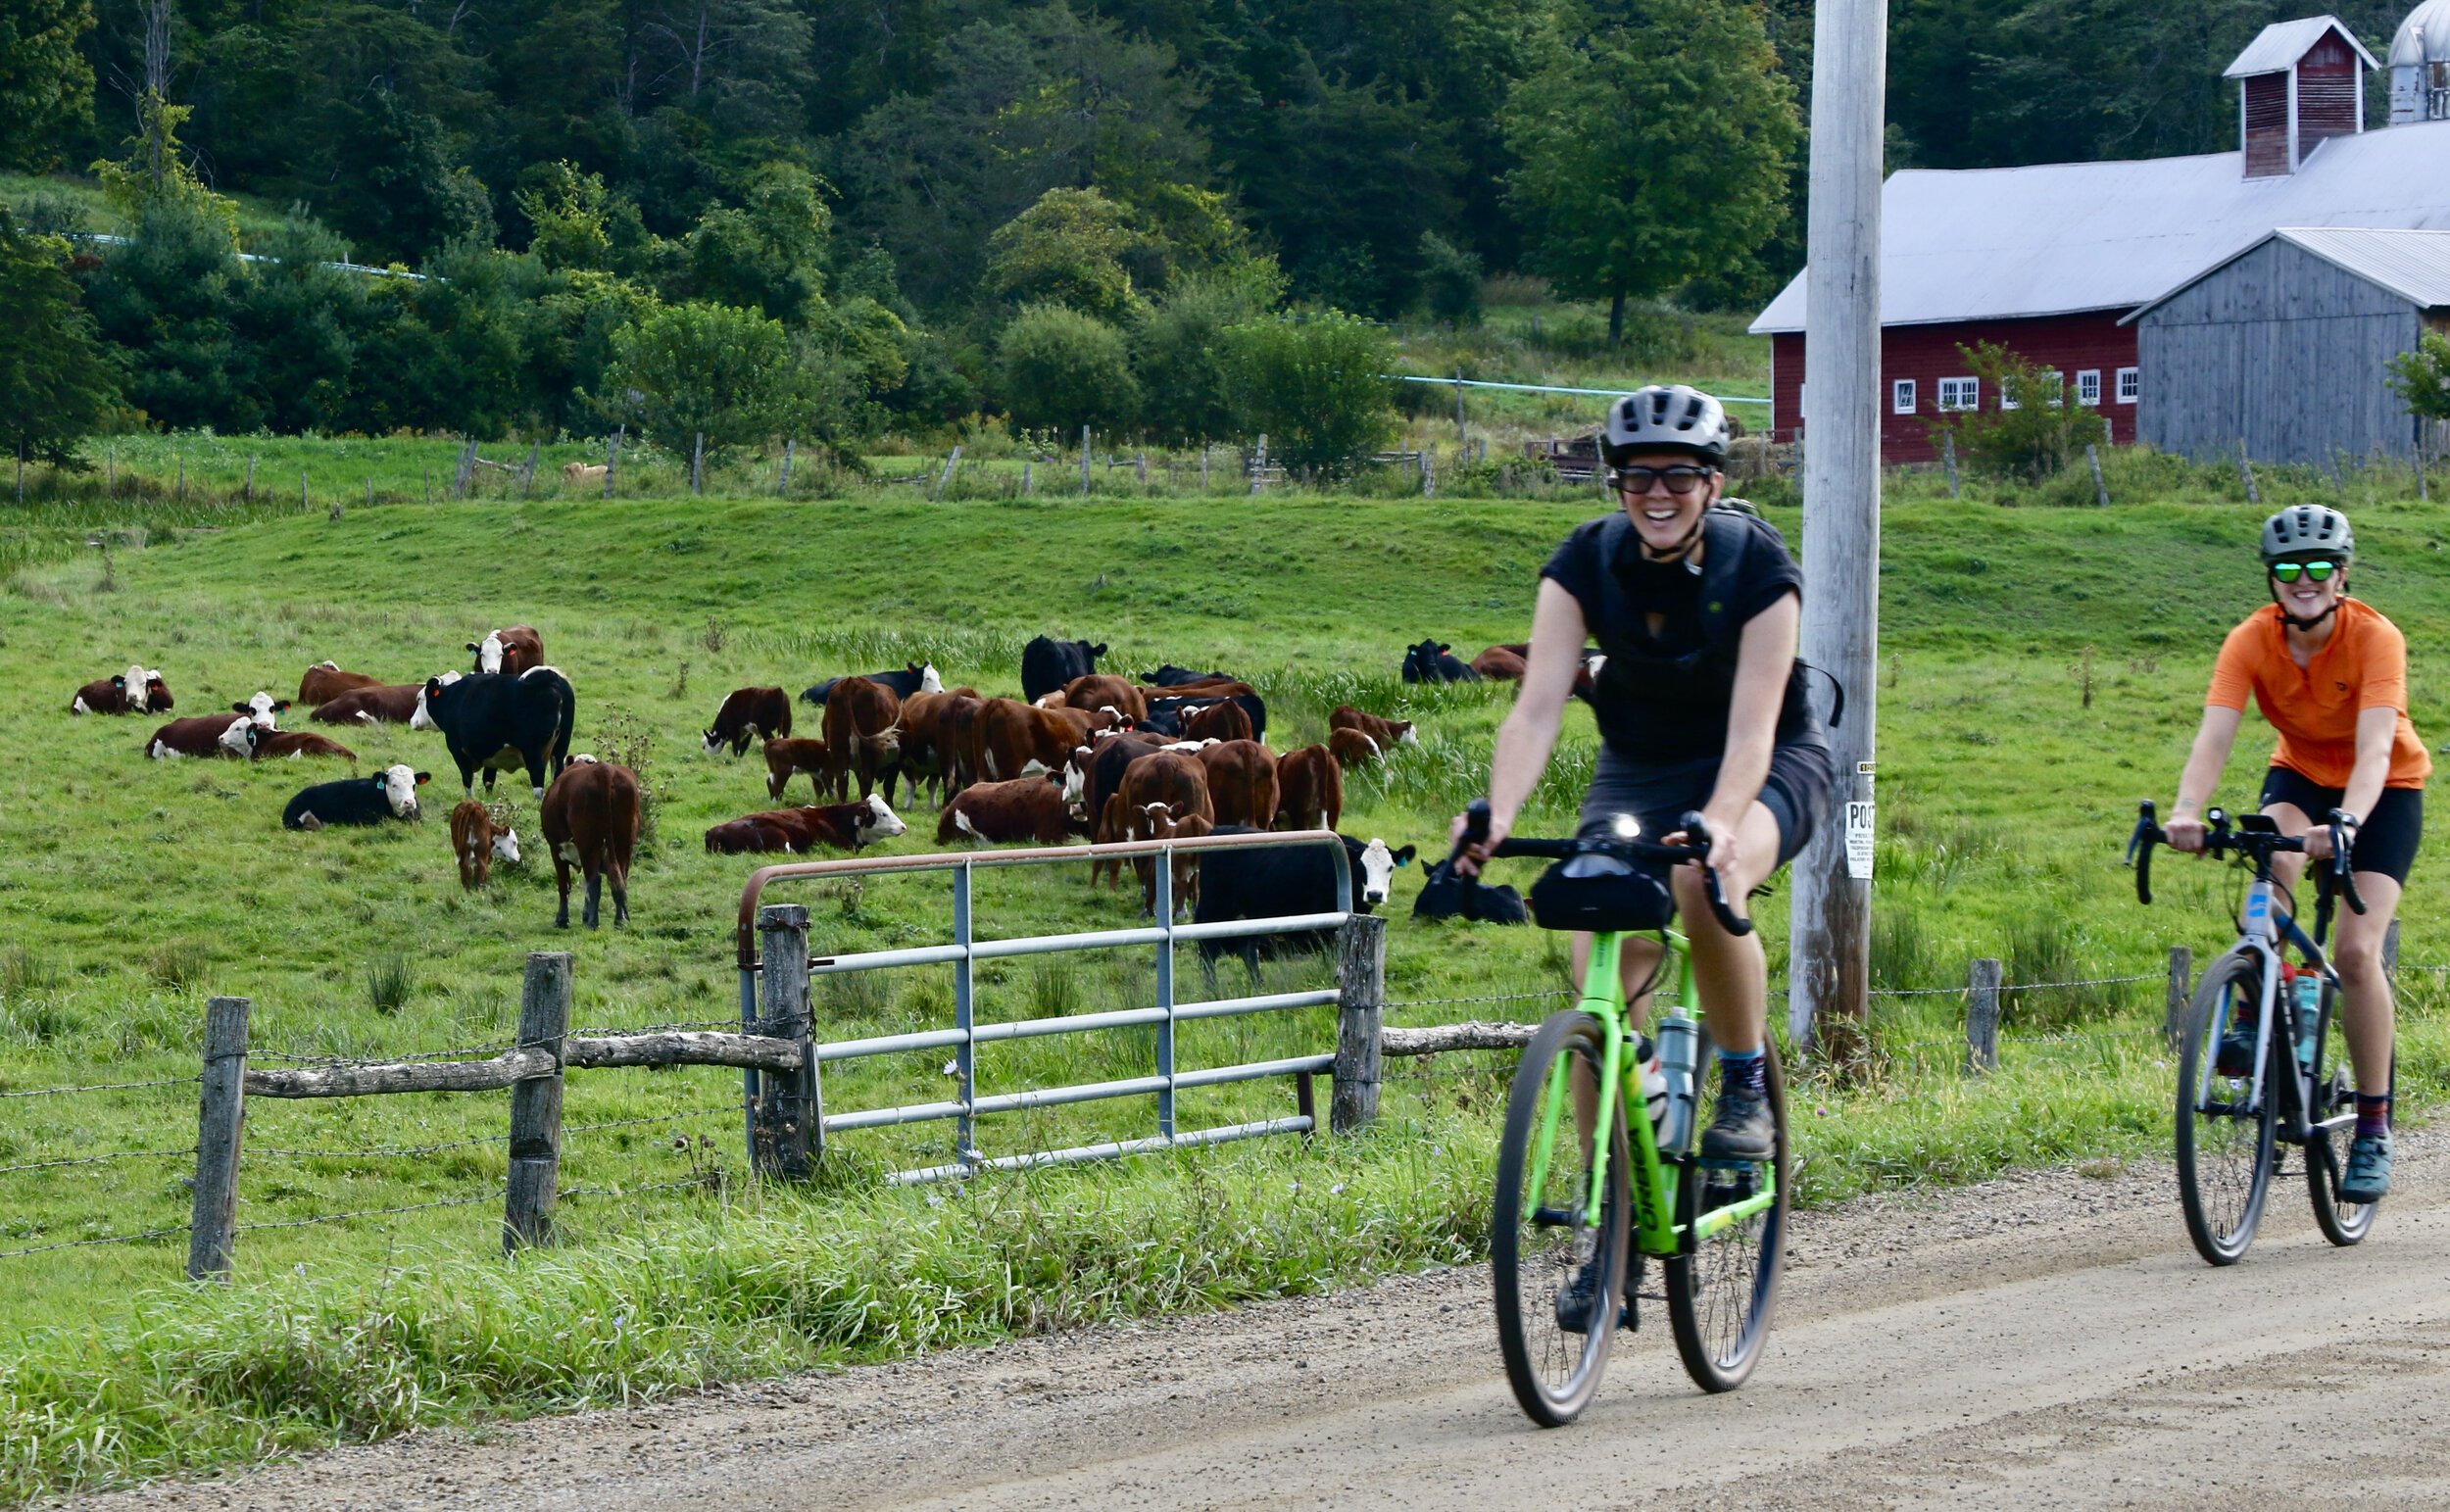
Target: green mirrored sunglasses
<point x="2289" y="572"/>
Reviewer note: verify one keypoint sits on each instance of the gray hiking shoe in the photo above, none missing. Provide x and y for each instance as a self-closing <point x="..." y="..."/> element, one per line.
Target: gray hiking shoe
<point x="1744" y="1130"/>
<point x="2369" y="1169"/>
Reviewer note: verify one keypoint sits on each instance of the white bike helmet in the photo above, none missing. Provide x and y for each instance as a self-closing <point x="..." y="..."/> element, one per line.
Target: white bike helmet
<point x="2308" y="530"/>
<point x="1665" y="417"/>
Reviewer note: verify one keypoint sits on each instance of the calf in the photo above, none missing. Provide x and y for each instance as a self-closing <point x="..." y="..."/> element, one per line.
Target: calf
<point x="590" y="820"/>
<point x="390" y="794"/>
<point x="381" y="704"/>
<point x="1351" y="749"/>
<point x="1100" y="689"/>
<point x="583" y="471"/>
<point x="265" y="745"/>
<point x="1501" y="664"/>
<point x="1310" y="790"/>
<point x="1160" y="784"/>
<point x="494" y="721"/>
<point x="1429" y="663"/>
<point x="135" y="691"/>
<point x="476" y="841"/>
<point x="913" y="678"/>
<point x="1047" y="664"/>
<point x="1224" y="719"/>
<point x="325" y="681"/>
<point x="1262" y="884"/>
<point x="863" y="734"/>
<point x="764" y="712"/>
<point x="1242" y="782"/>
<point x="202" y="735"/>
<point x="1091" y="776"/>
<point x="510" y="651"/>
<point x="785" y="758"/>
<point x="1185" y="864"/>
<point x="1442" y="898"/>
<point x="1385" y="734"/>
<point x="843" y="826"/>
<point x="996" y="812"/>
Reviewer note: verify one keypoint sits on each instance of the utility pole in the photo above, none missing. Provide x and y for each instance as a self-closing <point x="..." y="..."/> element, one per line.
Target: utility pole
<point x="1829" y="925"/>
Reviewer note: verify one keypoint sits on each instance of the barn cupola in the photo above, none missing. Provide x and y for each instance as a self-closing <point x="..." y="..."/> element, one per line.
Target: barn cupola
<point x="2299" y="82"/>
<point x="2419" y="65"/>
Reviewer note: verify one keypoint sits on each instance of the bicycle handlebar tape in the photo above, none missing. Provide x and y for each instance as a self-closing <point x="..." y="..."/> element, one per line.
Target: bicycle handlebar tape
<point x="2343" y="843"/>
<point x="1697" y="836"/>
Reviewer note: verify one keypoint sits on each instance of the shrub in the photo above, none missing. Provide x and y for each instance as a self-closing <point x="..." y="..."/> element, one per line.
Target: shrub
<point x="696" y="368"/>
<point x="1450" y="281"/>
<point x="2033" y="428"/>
<point x="1061" y="368"/>
<point x="1178" y="351"/>
<point x="1313" y="386"/>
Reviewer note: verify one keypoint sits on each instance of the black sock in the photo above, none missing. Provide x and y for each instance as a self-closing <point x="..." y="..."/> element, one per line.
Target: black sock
<point x="1746" y="1072"/>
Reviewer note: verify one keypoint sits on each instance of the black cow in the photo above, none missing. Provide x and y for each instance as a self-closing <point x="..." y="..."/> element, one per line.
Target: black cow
<point x="1047" y="664"/>
<point x="390" y="794"/>
<point x="493" y="721"/>
<point x="1272" y="883"/>
<point x="1429" y="663"/>
<point x="913" y="678"/>
<point x="1172" y="676"/>
<point x="1442" y="898"/>
<point x="1166" y="715"/>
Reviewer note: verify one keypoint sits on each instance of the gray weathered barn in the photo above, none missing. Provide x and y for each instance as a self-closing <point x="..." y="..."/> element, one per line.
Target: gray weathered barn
<point x="2284" y="349"/>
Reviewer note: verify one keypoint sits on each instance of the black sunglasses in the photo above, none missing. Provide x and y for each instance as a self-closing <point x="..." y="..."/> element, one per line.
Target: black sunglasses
<point x="1679" y="479"/>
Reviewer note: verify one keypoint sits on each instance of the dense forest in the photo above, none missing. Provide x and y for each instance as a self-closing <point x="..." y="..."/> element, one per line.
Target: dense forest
<point x="897" y="183"/>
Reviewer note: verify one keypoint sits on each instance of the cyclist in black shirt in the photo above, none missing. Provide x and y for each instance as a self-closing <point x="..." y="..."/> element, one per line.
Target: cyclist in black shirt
<point x="1700" y="705"/>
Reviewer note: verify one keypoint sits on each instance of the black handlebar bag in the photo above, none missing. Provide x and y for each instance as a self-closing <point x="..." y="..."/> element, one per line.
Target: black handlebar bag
<point x="1601" y="894"/>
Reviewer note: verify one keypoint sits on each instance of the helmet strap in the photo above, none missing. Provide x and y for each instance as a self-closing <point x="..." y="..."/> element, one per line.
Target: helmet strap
<point x="2316" y="622"/>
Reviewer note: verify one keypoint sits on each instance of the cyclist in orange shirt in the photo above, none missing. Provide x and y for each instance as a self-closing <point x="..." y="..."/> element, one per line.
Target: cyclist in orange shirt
<point x="2330" y="674"/>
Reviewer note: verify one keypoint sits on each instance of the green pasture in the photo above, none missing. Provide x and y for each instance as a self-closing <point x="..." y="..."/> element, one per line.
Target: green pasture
<point x="130" y="890"/>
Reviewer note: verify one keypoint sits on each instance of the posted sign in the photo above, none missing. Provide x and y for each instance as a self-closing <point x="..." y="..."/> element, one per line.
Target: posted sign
<point x="1859" y="839"/>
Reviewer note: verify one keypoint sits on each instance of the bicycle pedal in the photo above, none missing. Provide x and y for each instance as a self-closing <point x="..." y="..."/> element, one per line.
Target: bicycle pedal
<point x="1555" y="1217"/>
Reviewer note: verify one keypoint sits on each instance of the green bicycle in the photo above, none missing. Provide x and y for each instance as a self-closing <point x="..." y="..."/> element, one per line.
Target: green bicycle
<point x="1583" y="1192"/>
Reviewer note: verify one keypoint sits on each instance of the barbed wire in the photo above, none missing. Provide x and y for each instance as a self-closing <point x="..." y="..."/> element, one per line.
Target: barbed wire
<point x="368" y="1212"/>
<point x="728" y="1109"/>
<point x="2024" y="1039"/>
<point x="58" y="1091"/>
<point x="624" y="1192"/>
<point x="81" y="1244"/>
<point x="125" y="1154"/>
<point x="2012" y="987"/>
<point x="373" y="1152"/>
<point x="338" y="1062"/>
<point x="731" y="1024"/>
<point x="1425" y="1003"/>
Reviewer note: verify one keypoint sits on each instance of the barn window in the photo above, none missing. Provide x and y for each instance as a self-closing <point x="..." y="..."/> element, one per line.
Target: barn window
<point x="1901" y="396"/>
<point x="2089" y="386"/>
<point x="2058" y="388"/>
<point x="2130" y="384"/>
<point x="1960" y="393"/>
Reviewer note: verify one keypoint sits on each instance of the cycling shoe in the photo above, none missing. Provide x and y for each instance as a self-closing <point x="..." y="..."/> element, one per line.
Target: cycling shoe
<point x="2369" y="1169"/>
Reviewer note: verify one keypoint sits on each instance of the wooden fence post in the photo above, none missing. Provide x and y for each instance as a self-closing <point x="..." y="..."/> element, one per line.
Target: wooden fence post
<point x="2390" y="950"/>
<point x="1360" y="1012"/>
<point x="1948" y="454"/>
<point x="536" y="1106"/>
<point x="613" y="458"/>
<point x="305" y="502"/>
<point x="220" y="1118"/>
<point x="1084" y="460"/>
<point x="1981" y="1016"/>
<point x="782" y="485"/>
<point x="251" y="480"/>
<point x="697" y="463"/>
<point x="2100" y="490"/>
<point x="790" y="1104"/>
<point x="2246" y="470"/>
<point x="527" y="475"/>
<point x="946" y="477"/>
<point x="2180" y="992"/>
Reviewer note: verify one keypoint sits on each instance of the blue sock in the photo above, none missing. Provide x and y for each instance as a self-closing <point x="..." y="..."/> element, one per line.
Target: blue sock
<point x="2373" y="1115"/>
<point x="1742" y="1071"/>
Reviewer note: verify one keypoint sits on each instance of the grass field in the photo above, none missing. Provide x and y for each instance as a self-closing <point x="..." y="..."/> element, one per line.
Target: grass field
<point x="130" y="889"/>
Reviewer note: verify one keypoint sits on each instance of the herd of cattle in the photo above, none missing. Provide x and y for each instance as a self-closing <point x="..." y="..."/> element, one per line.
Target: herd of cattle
<point x="1080" y="754"/>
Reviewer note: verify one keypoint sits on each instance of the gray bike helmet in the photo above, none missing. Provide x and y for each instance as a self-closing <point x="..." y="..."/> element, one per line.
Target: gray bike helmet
<point x="1665" y="417"/>
<point x="2308" y="530"/>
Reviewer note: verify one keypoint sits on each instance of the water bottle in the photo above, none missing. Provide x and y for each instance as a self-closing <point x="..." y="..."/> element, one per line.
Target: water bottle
<point x="1653" y="1081"/>
<point x="2309" y="1006"/>
<point x="1680" y="1045"/>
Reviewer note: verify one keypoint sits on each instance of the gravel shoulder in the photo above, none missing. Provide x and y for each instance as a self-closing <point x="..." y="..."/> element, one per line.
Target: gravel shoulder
<point x="2044" y="1340"/>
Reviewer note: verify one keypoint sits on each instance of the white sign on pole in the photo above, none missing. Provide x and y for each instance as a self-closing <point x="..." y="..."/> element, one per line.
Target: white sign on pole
<point x="1859" y="841"/>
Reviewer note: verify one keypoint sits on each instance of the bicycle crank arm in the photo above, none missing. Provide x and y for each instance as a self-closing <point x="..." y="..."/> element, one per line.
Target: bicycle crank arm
<point x="1718" y="1218"/>
<point x="1555" y="1217"/>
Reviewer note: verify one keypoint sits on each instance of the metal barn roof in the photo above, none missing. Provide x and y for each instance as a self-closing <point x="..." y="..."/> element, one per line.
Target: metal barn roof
<point x="2413" y="264"/>
<point x="2276" y="49"/>
<point x="2064" y="238"/>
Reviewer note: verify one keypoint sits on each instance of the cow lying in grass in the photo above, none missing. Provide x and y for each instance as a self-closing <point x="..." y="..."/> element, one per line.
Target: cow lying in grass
<point x="135" y="691"/>
<point x="843" y="826"/>
<point x="267" y="745"/>
<point x="389" y="794"/>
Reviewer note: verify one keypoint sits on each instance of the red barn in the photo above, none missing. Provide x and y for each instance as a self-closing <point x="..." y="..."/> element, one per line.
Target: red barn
<point x="2047" y="260"/>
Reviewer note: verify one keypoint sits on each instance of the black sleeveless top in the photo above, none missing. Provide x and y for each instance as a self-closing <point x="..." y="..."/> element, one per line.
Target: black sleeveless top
<point x="1666" y="697"/>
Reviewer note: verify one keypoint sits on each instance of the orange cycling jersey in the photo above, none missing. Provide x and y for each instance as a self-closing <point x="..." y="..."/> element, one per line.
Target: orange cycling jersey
<point x="2314" y="707"/>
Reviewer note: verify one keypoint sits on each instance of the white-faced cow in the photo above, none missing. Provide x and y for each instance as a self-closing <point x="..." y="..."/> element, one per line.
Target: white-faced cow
<point x="1272" y="883"/>
<point x="269" y="744"/>
<point x="495" y="723"/>
<point x="390" y="794"/>
<point x="478" y="841"/>
<point x="1047" y="664"/>
<point x="590" y="821"/>
<point x="205" y="735"/>
<point x="510" y="651"/>
<point x="325" y="681"/>
<point x="135" y="691"/>
<point x="748" y="714"/>
<point x="1385" y="734"/>
<point x="843" y="826"/>
<point x="1352" y="749"/>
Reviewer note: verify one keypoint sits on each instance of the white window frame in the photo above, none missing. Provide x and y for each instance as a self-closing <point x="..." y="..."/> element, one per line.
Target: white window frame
<point x="1960" y="394"/>
<point x="2089" y="386"/>
<point x="2058" y="387"/>
<point x="1902" y="394"/>
<point x="2130" y="384"/>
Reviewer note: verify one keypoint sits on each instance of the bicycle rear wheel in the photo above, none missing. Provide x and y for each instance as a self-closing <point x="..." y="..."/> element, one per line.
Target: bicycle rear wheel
<point x="2225" y="1139"/>
<point x="1721" y="1291"/>
<point x="1559" y="1279"/>
<point x="2325" y="1154"/>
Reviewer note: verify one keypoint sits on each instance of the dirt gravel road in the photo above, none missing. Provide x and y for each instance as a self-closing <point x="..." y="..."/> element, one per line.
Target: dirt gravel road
<point x="2048" y="1341"/>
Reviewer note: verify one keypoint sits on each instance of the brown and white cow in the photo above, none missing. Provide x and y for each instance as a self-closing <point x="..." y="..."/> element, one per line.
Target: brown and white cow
<point x="843" y="826"/>
<point x="863" y="735"/>
<point x="1385" y="734"/>
<point x="383" y="704"/>
<point x="325" y="681"/>
<point x="1161" y="783"/>
<point x="1310" y="790"/>
<point x="786" y="758"/>
<point x="1242" y="782"/>
<point x="1099" y="690"/>
<point x="590" y="821"/>
<point x="1186" y="867"/>
<point x="135" y="691"/>
<point x="1012" y="739"/>
<point x="748" y="714"/>
<point x="998" y="813"/>
<point x="1501" y="663"/>
<point x="514" y="650"/>
<point x="1353" y="748"/>
<point x="1224" y="719"/>
<point x="267" y="745"/>
<point x="217" y="734"/>
<point x="478" y="841"/>
<point x="928" y="754"/>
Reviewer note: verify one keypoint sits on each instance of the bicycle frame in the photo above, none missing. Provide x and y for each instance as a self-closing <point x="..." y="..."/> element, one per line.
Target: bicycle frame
<point x="2267" y="928"/>
<point x="1655" y="1173"/>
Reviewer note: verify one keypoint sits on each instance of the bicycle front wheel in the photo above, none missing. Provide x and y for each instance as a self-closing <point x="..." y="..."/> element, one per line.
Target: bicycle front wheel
<point x="2325" y="1154"/>
<point x="1722" y="1289"/>
<point x="1560" y="1276"/>
<point x="2224" y="1134"/>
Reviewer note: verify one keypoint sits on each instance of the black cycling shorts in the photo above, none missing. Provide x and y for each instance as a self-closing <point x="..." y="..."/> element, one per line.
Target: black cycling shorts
<point x="1659" y="795"/>
<point x="2386" y="841"/>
